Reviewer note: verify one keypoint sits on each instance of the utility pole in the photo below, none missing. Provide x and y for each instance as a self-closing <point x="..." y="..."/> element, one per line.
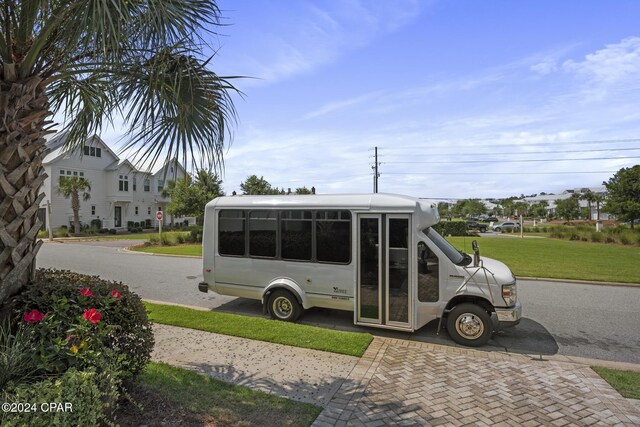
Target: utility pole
<point x="376" y="174"/>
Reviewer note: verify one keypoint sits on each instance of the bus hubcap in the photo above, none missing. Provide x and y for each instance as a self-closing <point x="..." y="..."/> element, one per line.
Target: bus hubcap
<point x="469" y="326"/>
<point x="282" y="307"/>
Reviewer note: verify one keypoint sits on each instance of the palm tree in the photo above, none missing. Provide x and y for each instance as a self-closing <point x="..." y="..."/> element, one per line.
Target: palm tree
<point x="598" y="198"/>
<point x="72" y="186"/>
<point x="590" y="197"/>
<point x="91" y="60"/>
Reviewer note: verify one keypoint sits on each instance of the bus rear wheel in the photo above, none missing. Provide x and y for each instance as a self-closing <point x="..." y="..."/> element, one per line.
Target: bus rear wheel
<point x="470" y="325"/>
<point x="284" y="306"/>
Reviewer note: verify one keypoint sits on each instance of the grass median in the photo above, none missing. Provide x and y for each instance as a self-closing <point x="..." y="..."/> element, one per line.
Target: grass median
<point x="627" y="383"/>
<point x="258" y="328"/>
<point x="560" y="259"/>
<point x="170" y="396"/>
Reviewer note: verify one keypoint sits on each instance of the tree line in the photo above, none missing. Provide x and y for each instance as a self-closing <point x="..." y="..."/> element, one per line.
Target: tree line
<point x="622" y="200"/>
<point x="190" y="194"/>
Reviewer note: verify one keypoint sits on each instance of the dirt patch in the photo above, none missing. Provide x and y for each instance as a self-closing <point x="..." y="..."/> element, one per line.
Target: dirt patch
<point x="153" y="409"/>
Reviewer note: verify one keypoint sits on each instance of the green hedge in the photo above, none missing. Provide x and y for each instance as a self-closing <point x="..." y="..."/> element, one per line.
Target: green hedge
<point x="451" y="228"/>
<point x="86" y="394"/>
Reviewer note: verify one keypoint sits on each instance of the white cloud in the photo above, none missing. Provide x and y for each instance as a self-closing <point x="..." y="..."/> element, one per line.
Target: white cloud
<point x="546" y="67"/>
<point x="613" y="64"/>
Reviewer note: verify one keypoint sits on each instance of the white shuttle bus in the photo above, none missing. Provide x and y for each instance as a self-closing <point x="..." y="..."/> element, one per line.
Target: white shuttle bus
<point x="374" y="254"/>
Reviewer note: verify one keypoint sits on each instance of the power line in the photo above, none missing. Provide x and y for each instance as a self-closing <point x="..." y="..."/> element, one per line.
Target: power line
<point x="516" y="160"/>
<point x="501" y="173"/>
<point x="520" y="154"/>
<point x="604" y="141"/>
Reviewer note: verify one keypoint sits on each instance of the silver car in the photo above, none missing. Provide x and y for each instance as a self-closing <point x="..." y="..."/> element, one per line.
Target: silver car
<point x="506" y="226"/>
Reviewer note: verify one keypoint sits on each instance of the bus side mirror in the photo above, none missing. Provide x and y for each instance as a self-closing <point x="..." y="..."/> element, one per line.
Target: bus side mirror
<point x="476" y="253"/>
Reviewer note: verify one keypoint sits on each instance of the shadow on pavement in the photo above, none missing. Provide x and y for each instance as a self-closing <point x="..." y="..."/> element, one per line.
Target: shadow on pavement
<point x="529" y="337"/>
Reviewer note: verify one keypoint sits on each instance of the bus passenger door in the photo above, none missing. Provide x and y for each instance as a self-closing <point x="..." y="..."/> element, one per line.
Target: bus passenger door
<point x="384" y="283"/>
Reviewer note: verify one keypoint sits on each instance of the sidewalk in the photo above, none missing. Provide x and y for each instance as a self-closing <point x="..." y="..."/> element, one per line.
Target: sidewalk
<point x="400" y="382"/>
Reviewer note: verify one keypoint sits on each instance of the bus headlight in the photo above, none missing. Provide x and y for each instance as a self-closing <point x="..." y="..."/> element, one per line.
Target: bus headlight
<point x="509" y="294"/>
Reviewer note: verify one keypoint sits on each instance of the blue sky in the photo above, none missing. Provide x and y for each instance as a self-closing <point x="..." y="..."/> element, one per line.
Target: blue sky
<point x="438" y="86"/>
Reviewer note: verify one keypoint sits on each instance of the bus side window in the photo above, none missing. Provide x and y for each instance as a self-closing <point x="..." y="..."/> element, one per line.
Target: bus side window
<point x="428" y="274"/>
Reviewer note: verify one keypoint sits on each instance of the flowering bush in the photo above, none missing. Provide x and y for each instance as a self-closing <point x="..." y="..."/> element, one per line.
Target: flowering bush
<point x="84" y="321"/>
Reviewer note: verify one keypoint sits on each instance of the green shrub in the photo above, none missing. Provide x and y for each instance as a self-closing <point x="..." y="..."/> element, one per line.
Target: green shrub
<point x="154" y="240"/>
<point x="43" y="234"/>
<point x="180" y="239"/>
<point x="61" y="232"/>
<point x="65" y="338"/>
<point x="113" y="231"/>
<point x="597" y="237"/>
<point x="96" y="223"/>
<point x="165" y="240"/>
<point x="147" y="223"/>
<point x="91" y="396"/>
<point x="16" y="362"/>
<point x="444" y="228"/>
<point x="625" y="239"/>
<point x="195" y="234"/>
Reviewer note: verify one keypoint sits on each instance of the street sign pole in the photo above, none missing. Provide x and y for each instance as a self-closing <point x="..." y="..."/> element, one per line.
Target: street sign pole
<point x="159" y="217"/>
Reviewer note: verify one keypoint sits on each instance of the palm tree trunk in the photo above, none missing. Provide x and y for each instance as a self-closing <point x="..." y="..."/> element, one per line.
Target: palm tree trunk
<point x="75" y="206"/>
<point x="23" y="113"/>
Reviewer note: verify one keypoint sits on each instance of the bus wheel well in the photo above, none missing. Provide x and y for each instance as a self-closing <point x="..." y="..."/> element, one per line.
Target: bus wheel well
<point x="265" y="297"/>
<point x="472" y="300"/>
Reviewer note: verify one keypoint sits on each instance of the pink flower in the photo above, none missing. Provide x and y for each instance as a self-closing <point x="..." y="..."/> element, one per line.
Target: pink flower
<point x="86" y="292"/>
<point x="34" y="316"/>
<point x="92" y="315"/>
<point x="115" y="294"/>
<point x="70" y="337"/>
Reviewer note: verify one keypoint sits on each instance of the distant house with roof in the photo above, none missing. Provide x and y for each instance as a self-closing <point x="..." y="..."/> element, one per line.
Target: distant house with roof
<point x="120" y="193"/>
<point x="551" y="200"/>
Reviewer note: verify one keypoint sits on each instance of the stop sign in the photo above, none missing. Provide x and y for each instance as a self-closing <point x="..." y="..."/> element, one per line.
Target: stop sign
<point x="159" y="215"/>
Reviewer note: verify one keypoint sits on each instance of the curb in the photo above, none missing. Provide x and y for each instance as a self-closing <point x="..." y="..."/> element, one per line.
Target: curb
<point x="151" y="253"/>
<point x="579" y="282"/>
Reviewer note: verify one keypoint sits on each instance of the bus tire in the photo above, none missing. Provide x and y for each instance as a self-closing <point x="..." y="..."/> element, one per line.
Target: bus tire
<point x="469" y="325"/>
<point x="284" y="306"/>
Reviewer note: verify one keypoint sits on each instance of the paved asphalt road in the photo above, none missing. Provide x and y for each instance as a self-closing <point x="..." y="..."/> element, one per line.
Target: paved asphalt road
<point x="595" y="321"/>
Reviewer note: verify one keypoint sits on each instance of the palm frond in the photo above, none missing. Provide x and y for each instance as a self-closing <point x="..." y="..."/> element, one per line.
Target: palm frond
<point x="177" y="108"/>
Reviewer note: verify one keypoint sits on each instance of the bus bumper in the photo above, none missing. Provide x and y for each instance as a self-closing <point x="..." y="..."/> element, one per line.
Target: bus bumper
<point x="508" y="317"/>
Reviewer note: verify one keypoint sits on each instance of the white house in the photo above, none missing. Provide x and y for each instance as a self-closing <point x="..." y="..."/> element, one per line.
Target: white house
<point x="552" y="198"/>
<point x="119" y="192"/>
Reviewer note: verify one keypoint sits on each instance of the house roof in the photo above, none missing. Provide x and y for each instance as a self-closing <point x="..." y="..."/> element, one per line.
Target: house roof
<point x="56" y="147"/>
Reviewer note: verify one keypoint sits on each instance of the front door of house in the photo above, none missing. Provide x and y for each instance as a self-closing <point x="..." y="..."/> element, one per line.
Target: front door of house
<point x="384" y="283"/>
<point x="117" y="217"/>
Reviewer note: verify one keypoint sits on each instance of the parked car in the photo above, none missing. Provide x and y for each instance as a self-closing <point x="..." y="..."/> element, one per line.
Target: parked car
<point x="506" y="226"/>
<point x="492" y="219"/>
<point x="475" y="225"/>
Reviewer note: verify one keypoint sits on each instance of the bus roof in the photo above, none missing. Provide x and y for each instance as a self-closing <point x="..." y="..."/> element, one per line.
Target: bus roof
<point x="378" y="202"/>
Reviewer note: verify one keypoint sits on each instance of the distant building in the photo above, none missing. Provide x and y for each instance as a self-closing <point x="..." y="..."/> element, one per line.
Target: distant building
<point x="552" y="198"/>
<point x="119" y="192"/>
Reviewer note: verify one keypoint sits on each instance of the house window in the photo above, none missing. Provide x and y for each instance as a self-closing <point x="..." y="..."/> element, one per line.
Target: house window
<point x="160" y="185"/>
<point x="136" y="210"/>
<point x="123" y="183"/>
<point x="147" y="185"/>
<point x="92" y="151"/>
<point x="93" y="209"/>
<point x="70" y="173"/>
<point x="149" y="210"/>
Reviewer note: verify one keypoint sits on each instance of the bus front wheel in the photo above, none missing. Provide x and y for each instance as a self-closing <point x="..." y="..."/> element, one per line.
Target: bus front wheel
<point x="284" y="306"/>
<point x="470" y="325"/>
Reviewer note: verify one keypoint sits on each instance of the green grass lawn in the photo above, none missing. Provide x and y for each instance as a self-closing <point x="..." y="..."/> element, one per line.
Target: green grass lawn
<point x="561" y="259"/>
<point x="257" y="328"/>
<point x="626" y="382"/>
<point x="132" y="236"/>
<point x="227" y="404"/>
<point x="192" y="250"/>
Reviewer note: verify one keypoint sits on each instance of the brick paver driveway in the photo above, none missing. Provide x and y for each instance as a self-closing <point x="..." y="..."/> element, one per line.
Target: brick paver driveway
<point x="407" y="383"/>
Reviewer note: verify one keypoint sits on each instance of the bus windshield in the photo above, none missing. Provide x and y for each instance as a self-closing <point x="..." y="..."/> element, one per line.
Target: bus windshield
<point x="456" y="257"/>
